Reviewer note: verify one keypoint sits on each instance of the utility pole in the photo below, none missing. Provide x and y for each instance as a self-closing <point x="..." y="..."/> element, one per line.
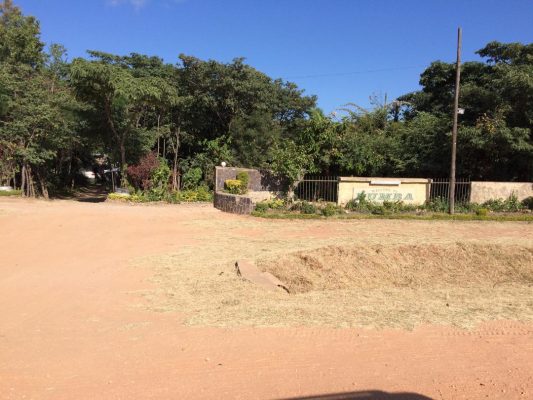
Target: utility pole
<point x="454" y="129"/>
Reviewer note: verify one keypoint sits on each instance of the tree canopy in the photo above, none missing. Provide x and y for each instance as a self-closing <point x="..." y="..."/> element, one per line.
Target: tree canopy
<point x="57" y="114"/>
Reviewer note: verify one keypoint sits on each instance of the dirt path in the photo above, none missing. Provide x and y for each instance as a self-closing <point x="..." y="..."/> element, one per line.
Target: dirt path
<point x="73" y="324"/>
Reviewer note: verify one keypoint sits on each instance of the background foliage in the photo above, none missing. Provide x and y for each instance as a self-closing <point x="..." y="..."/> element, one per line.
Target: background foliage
<point x="182" y="119"/>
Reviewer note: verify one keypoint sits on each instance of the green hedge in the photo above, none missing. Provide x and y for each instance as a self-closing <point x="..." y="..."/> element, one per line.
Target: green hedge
<point x="422" y="217"/>
<point x="201" y="194"/>
<point x="7" y="193"/>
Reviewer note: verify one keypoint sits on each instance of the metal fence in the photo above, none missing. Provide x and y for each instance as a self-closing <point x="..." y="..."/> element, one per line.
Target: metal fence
<point x="325" y="188"/>
<point x="440" y="188"/>
<point x="318" y="188"/>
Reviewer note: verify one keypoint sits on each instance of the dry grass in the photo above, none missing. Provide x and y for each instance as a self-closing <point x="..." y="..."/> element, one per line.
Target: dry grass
<point x="404" y="266"/>
<point x="198" y="281"/>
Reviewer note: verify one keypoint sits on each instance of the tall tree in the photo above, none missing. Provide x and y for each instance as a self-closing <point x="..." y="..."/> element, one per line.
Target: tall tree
<point x="121" y="101"/>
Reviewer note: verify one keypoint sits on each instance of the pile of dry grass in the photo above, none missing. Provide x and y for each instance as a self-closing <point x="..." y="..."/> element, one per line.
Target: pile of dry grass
<point x="397" y="285"/>
<point x="403" y="266"/>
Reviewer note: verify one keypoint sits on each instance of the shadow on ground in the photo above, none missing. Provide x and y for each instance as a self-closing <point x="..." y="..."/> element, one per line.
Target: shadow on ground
<point x="364" y="395"/>
<point x="88" y="194"/>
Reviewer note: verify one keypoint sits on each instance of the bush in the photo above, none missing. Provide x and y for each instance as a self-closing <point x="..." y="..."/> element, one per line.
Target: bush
<point x="511" y="204"/>
<point x="192" y="178"/>
<point x="330" y="210"/>
<point x="204" y="194"/>
<point x="159" y="179"/>
<point x="307" y="208"/>
<point x="118" y="197"/>
<point x="362" y="205"/>
<point x="201" y="194"/>
<point x="442" y="205"/>
<point x="262" y="207"/>
<point x="482" y="212"/>
<point x="245" y="180"/>
<point x="140" y="175"/>
<point x="439" y="204"/>
<point x="4" y="193"/>
<point x="359" y="204"/>
<point x="379" y="209"/>
<point x="274" y="204"/>
<point x="233" y="186"/>
<point x="528" y="203"/>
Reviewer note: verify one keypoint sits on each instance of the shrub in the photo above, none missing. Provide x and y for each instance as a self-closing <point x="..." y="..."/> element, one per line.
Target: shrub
<point x="245" y="180"/>
<point x="296" y="206"/>
<point x="4" y="193"/>
<point x="442" y="205"/>
<point x="140" y="175"/>
<point x="307" y="208"/>
<point x="528" y="203"/>
<point x="511" y="204"/>
<point x="330" y="210"/>
<point x="439" y="204"/>
<point x="379" y="209"/>
<point x="482" y="212"/>
<point x="233" y="186"/>
<point x="119" y="197"/>
<point x="361" y="204"/>
<point x="192" y="178"/>
<point x="137" y="198"/>
<point x="202" y="194"/>
<point x="276" y="204"/>
<point x="262" y="207"/>
<point x="160" y="177"/>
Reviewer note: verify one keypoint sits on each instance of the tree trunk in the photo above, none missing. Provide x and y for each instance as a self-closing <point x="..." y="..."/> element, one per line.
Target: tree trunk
<point x="292" y="187"/>
<point x="30" y="184"/>
<point x="42" y="183"/>
<point x="23" y="180"/>
<point x="175" y="182"/>
<point x="120" y="140"/>
<point x="123" y="165"/>
<point x="158" y="125"/>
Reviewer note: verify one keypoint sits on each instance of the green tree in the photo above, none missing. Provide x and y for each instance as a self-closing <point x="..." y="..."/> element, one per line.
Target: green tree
<point x="19" y="37"/>
<point x="120" y="100"/>
<point x="38" y="114"/>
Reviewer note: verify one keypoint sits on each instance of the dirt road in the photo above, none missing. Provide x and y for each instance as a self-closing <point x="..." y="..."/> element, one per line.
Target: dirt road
<point x="74" y="322"/>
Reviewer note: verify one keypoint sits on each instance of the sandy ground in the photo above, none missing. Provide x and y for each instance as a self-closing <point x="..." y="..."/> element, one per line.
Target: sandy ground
<point x="74" y="320"/>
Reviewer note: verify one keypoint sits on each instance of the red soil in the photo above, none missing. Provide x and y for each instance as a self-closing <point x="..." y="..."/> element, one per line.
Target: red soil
<point x="73" y="325"/>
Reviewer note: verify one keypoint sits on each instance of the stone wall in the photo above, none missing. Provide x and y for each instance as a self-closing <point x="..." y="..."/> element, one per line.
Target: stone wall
<point x="233" y="203"/>
<point x="408" y="190"/>
<point x="263" y="185"/>
<point x="260" y="180"/>
<point x="483" y="191"/>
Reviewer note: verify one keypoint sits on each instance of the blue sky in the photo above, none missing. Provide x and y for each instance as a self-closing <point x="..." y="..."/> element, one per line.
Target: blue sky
<point x="340" y="50"/>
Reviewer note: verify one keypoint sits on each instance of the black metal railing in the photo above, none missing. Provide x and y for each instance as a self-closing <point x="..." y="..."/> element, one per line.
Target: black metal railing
<point x="318" y="188"/>
<point x="440" y="189"/>
<point x="325" y="188"/>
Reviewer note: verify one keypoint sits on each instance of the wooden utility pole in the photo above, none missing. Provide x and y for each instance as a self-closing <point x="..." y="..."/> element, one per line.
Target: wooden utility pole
<point x="454" y="129"/>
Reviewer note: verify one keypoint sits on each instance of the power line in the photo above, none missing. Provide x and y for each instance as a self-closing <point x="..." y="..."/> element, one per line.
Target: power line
<point x="353" y="72"/>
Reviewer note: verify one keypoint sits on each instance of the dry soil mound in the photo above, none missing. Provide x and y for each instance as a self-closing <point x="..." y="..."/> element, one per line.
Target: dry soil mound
<point x="409" y="266"/>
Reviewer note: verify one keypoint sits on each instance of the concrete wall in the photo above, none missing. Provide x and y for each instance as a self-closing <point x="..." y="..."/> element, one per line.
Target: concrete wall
<point x="409" y="190"/>
<point x="483" y="191"/>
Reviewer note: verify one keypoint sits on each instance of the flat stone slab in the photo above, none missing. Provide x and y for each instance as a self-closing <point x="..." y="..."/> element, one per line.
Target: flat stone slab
<point x="247" y="270"/>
